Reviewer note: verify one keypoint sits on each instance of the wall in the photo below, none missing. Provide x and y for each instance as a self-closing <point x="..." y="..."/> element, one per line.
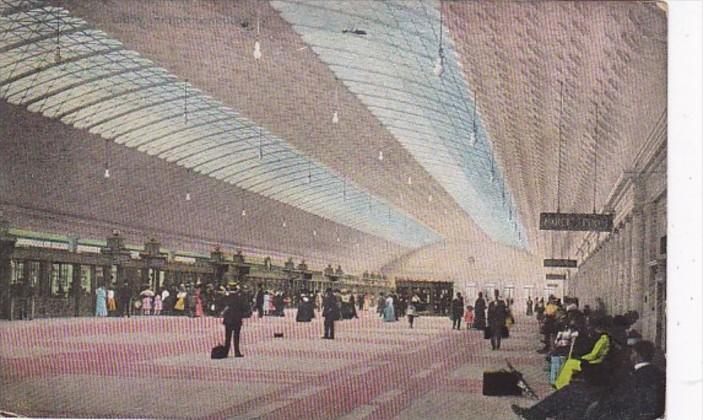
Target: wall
<point x="627" y="267"/>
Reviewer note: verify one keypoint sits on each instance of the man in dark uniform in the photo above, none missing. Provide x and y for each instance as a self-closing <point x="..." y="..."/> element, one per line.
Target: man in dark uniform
<point x="497" y="313"/>
<point x="260" y="301"/>
<point x="457" y="311"/>
<point x="330" y="311"/>
<point x="480" y="312"/>
<point x="235" y="310"/>
<point x="123" y="296"/>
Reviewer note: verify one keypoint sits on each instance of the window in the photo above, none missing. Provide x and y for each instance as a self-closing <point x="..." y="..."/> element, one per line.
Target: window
<point x="85" y="279"/>
<point x="61" y="275"/>
<point x="17" y="268"/>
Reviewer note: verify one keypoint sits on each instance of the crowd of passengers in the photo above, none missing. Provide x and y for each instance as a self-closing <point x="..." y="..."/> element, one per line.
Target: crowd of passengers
<point x="598" y="364"/>
<point x="197" y="300"/>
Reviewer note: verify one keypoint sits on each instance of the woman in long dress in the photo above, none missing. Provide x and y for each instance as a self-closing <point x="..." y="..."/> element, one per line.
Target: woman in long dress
<point x="389" y="310"/>
<point x="198" y="303"/>
<point x="101" y="301"/>
<point x="180" y="305"/>
<point x="111" y="303"/>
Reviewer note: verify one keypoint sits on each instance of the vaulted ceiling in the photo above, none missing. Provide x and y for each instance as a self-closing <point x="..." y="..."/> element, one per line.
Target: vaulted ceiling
<point x="345" y="116"/>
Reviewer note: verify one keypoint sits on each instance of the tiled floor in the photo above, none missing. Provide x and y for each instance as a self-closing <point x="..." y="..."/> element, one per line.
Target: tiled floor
<point x="160" y="367"/>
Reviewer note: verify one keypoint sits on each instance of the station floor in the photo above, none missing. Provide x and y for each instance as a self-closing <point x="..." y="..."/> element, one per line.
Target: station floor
<point x="160" y="367"/>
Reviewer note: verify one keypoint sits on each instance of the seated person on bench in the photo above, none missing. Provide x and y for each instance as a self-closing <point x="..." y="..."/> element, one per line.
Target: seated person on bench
<point x="639" y="395"/>
<point x="596" y="356"/>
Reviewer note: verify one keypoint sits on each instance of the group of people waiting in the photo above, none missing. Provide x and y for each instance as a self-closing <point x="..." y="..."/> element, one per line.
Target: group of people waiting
<point x="493" y="317"/>
<point x="599" y="365"/>
<point x="192" y="300"/>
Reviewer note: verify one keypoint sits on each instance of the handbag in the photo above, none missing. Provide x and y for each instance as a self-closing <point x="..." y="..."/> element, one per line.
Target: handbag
<point x="218" y="352"/>
<point x="504" y="332"/>
<point x="486" y="333"/>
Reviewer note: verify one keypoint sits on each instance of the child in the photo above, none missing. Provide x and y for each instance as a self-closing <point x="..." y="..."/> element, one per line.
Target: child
<point x="146" y="305"/>
<point x="158" y="305"/>
<point x="469" y="317"/>
<point x="411" y="313"/>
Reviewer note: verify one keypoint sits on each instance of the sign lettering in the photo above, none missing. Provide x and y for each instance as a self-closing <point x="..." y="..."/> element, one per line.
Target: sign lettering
<point x="576" y="222"/>
<point x="560" y="263"/>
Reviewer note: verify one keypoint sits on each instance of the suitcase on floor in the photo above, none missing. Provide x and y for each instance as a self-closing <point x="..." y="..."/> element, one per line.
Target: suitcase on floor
<point x="486" y="333"/>
<point x="501" y="383"/>
<point x="218" y="352"/>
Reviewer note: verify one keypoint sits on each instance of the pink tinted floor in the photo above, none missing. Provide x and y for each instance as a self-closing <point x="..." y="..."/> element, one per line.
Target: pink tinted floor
<point x="159" y="367"/>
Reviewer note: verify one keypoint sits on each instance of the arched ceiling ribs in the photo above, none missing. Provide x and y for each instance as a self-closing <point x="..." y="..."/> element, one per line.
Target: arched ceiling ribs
<point x="117" y="94"/>
<point x="391" y="73"/>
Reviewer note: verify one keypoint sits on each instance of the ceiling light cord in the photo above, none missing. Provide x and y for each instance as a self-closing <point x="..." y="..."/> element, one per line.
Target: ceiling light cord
<point x="57" y="54"/>
<point x="261" y="146"/>
<point x="185" y="102"/>
<point x="107" y="159"/>
<point x="473" y="121"/>
<point x="439" y="65"/>
<point x="188" y="184"/>
<point x="257" y="44"/>
<point x="595" y="160"/>
<point x="561" y="114"/>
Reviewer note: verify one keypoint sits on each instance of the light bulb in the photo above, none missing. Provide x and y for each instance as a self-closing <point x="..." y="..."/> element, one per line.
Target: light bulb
<point x="188" y="196"/>
<point x="335" y="118"/>
<point x="338" y="240"/>
<point x="107" y="173"/>
<point x="314" y="233"/>
<point x="257" y="50"/>
<point x="439" y="66"/>
<point x="429" y="198"/>
<point x="244" y="212"/>
<point x="284" y="224"/>
<point x="410" y="180"/>
<point x="380" y="155"/>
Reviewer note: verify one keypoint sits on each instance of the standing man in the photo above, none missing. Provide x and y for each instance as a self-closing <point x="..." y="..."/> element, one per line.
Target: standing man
<point x="480" y="312"/>
<point x="124" y="295"/>
<point x="457" y="311"/>
<point x="235" y="310"/>
<point x="330" y="311"/>
<point x="260" y="301"/>
<point x="497" y="312"/>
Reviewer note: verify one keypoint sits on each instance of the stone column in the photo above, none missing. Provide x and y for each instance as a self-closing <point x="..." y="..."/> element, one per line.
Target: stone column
<point x="7" y="247"/>
<point x="76" y="289"/>
<point x="638" y="262"/>
<point x="610" y="278"/>
<point x="622" y="263"/>
<point x="627" y="273"/>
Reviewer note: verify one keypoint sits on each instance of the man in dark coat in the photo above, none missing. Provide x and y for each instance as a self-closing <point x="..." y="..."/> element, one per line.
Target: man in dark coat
<point x="639" y="395"/>
<point x="235" y="310"/>
<point x="497" y="313"/>
<point x="260" y="301"/>
<point x="480" y="312"/>
<point x="331" y="313"/>
<point x="457" y="311"/>
<point x="124" y="295"/>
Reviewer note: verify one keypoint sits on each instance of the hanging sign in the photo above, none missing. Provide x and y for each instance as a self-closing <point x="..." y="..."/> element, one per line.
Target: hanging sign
<point x="556" y="276"/>
<point x="552" y="285"/>
<point x="560" y="263"/>
<point x="584" y="222"/>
